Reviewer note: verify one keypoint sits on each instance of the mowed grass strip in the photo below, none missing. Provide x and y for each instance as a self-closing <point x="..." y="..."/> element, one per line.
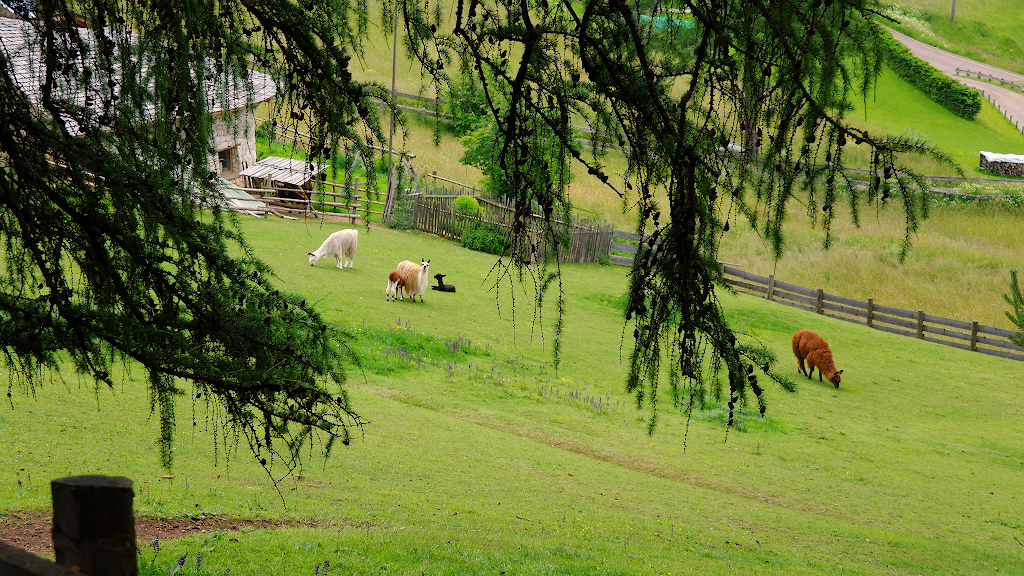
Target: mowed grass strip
<point x="483" y="459"/>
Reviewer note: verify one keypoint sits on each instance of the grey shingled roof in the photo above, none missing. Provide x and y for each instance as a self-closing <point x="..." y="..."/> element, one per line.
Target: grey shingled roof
<point x="20" y="45"/>
<point x="274" y="168"/>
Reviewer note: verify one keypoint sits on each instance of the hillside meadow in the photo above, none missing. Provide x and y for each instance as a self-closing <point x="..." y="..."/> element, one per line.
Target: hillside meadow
<point x="480" y="458"/>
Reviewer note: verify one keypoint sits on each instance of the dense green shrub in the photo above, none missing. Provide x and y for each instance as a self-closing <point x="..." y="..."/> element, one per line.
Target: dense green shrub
<point x="467" y="206"/>
<point x="485" y="238"/>
<point x="959" y="99"/>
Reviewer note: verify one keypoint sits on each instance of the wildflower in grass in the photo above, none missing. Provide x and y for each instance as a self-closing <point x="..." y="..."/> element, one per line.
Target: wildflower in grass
<point x="181" y="561"/>
<point x="19" y="483"/>
<point x="327" y="564"/>
<point x="199" y="560"/>
<point x="156" y="543"/>
<point x="316" y="570"/>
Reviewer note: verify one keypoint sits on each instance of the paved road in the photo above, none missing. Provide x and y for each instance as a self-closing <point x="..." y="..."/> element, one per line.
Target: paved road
<point x="1010" y="102"/>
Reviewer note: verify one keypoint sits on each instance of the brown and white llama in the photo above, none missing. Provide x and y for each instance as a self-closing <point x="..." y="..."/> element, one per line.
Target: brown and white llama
<point x="395" y="285"/>
<point x="814" y="349"/>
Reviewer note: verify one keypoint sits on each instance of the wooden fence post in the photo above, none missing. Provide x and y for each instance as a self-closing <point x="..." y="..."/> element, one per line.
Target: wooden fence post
<point x="819" y="302"/>
<point x="354" y="193"/>
<point x="974" y="336"/>
<point x="93" y="525"/>
<point x="871" y="311"/>
<point x="771" y="286"/>
<point x="920" y="324"/>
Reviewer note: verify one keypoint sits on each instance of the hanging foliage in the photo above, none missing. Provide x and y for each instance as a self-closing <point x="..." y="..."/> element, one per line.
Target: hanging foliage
<point x="733" y="108"/>
<point x="113" y="246"/>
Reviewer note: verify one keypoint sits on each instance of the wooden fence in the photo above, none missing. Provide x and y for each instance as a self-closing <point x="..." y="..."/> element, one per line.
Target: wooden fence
<point x="93" y="531"/>
<point x="333" y="200"/>
<point x="623" y="247"/>
<point x="914" y="323"/>
<point x="588" y="240"/>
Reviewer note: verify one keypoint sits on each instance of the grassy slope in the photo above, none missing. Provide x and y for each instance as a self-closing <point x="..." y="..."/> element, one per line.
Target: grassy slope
<point x="988" y="31"/>
<point x="897" y="106"/>
<point x="911" y="467"/>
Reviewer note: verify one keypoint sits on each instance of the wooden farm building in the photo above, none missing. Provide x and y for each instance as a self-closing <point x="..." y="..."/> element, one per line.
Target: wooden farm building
<point x="232" y="107"/>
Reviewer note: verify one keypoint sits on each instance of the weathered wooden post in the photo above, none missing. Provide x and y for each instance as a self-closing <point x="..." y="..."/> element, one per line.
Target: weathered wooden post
<point x="771" y="286"/>
<point x="920" y="324"/>
<point x="871" y="312"/>
<point x="974" y="336"/>
<point x="93" y="525"/>
<point x="819" y="302"/>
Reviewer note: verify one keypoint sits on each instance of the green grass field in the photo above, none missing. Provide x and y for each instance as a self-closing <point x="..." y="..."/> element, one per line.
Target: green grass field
<point x="484" y="460"/>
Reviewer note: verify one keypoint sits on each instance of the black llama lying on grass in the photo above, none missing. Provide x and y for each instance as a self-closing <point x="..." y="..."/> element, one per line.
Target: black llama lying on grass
<point x="441" y="285"/>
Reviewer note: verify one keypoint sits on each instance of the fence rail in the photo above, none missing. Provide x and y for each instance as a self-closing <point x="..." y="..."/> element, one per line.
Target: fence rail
<point x="913" y="323"/>
<point x="989" y="77"/>
<point x="335" y="200"/>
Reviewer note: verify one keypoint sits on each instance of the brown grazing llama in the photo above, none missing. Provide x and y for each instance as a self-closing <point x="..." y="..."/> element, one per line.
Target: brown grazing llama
<point x="810" y="347"/>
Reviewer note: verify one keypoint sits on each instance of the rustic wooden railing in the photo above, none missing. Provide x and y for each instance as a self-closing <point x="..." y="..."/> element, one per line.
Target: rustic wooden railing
<point x="93" y="531"/>
<point x="334" y="200"/>
<point x="589" y="240"/>
<point x="914" y="323"/>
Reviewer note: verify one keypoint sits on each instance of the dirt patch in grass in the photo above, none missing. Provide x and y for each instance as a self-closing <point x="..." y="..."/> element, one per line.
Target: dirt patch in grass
<point x="31" y="529"/>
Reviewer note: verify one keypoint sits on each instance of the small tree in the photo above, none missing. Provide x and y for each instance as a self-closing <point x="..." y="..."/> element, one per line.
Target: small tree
<point x="1016" y="301"/>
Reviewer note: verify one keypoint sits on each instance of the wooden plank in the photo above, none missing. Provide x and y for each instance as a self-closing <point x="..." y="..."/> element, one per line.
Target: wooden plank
<point x="946" y="332"/>
<point x="896" y="331"/>
<point x="996" y="331"/>
<point x="999" y="343"/>
<point x="630" y="248"/>
<point x="626" y="236"/>
<point x="884" y="319"/>
<point x="730" y="271"/>
<point x="794" y="288"/>
<point x="858" y="312"/>
<point x="1001" y="354"/>
<point x="787" y="295"/>
<point x="843" y="318"/>
<point x="17" y="562"/>
<point x="795" y="305"/>
<point x="928" y="318"/>
<point x="898" y="312"/>
<point x="845" y="301"/>
<point x="748" y="286"/>
<point x="620" y="260"/>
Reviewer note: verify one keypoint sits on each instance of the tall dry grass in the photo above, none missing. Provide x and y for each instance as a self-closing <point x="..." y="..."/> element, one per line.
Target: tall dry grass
<point x="958" y="267"/>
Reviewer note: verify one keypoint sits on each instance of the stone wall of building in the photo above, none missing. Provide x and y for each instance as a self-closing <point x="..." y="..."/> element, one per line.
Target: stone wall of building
<point x="235" y="130"/>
